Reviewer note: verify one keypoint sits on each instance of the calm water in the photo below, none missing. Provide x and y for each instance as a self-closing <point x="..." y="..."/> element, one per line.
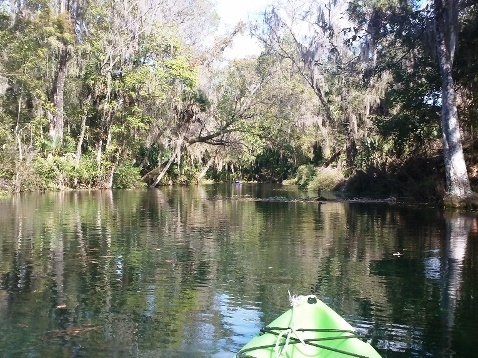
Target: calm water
<point x="195" y="272"/>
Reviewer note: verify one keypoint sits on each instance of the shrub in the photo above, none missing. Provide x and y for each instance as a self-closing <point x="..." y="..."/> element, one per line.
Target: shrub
<point x="312" y="178"/>
<point x="326" y="179"/>
<point x="44" y="176"/>
<point x="305" y="173"/>
<point x="87" y="172"/>
<point x="127" y="176"/>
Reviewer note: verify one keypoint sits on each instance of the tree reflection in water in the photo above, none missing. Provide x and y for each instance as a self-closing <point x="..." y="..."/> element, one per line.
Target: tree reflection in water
<point x="195" y="272"/>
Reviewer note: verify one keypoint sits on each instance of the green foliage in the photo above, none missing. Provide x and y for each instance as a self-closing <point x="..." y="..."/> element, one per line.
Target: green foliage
<point x="127" y="176"/>
<point x="466" y="67"/>
<point x="305" y="174"/>
<point x="413" y="116"/>
<point x="59" y="172"/>
<point x="273" y="165"/>
<point x="180" y="69"/>
<point x="318" y="178"/>
<point x="52" y="173"/>
<point x="408" y="132"/>
<point x="408" y="115"/>
<point x="39" y="174"/>
<point x="326" y="179"/>
<point x="7" y="148"/>
<point x="87" y="172"/>
<point x="374" y="152"/>
<point x="135" y="91"/>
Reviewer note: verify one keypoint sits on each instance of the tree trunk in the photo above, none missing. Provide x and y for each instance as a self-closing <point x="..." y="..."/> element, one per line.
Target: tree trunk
<point x="58" y="90"/>
<point x="82" y="135"/>
<point x="314" y="81"/>
<point x="205" y="169"/>
<point x="170" y="161"/>
<point x="108" y="184"/>
<point x="457" y="182"/>
<point x="17" y="129"/>
<point x="18" y="164"/>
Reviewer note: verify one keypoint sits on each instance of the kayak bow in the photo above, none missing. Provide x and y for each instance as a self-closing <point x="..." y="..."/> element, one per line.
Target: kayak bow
<point x="309" y="329"/>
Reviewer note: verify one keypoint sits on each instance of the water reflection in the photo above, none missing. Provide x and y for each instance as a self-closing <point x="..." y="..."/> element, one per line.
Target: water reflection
<point x="195" y="272"/>
<point x="457" y="232"/>
<point x="239" y="319"/>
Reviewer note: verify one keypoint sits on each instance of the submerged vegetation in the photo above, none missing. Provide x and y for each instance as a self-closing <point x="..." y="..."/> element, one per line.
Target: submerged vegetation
<point x="343" y="95"/>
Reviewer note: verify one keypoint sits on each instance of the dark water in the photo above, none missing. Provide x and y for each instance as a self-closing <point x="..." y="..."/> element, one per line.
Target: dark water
<point x="195" y="272"/>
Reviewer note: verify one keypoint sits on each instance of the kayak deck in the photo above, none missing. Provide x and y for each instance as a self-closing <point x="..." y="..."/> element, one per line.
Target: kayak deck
<point x="309" y="329"/>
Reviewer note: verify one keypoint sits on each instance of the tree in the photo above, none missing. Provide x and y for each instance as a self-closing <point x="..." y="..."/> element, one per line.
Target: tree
<point x="63" y="23"/>
<point x="315" y="37"/>
<point x="24" y="34"/>
<point x="446" y="25"/>
<point x="416" y="47"/>
<point x="397" y="58"/>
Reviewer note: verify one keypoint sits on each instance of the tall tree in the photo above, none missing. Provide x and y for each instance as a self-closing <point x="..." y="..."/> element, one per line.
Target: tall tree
<point x="64" y="22"/>
<point x="446" y="26"/>
<point x="398" y="58"/>
<point x="313" y="36"/>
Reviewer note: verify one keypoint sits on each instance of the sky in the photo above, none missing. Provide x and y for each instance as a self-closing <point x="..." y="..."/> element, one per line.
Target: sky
<point x="233" y="11"/>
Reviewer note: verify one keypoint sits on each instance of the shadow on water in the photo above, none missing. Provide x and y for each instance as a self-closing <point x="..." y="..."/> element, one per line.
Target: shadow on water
<point x="194" y="272"/>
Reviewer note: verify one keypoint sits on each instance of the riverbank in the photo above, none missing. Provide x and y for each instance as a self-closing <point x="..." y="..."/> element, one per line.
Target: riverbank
<point x="418" y="180"/>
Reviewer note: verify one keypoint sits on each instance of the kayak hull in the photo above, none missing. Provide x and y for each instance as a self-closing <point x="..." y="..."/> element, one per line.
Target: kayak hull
<point x="309" y="329"/>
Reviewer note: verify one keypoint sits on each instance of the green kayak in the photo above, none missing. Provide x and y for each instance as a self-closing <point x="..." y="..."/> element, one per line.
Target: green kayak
<point x="309" y="329"/>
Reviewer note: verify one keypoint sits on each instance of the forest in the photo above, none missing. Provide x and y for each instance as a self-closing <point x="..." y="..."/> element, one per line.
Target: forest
<point x="364" y="96"/>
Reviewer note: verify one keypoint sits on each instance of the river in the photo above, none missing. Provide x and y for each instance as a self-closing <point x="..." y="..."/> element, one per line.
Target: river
<point x="197" y="271"/>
